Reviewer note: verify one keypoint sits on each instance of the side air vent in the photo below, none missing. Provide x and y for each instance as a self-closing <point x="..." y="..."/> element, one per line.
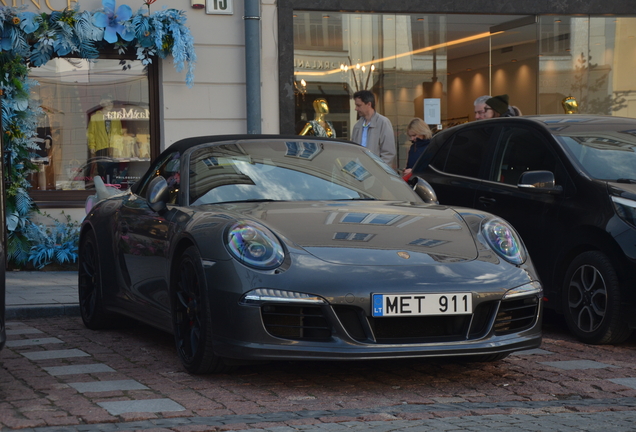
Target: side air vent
<point x="516" y="315"/>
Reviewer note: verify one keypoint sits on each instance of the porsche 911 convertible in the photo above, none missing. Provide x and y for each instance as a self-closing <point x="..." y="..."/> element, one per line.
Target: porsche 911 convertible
<point x="252" y="248"/>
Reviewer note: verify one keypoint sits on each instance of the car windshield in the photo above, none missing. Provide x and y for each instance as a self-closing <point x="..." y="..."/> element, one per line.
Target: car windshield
<point x="604" y="156"/>
<point x="284" y="170"/>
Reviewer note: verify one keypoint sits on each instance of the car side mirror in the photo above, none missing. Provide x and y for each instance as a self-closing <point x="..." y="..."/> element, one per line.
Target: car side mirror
<point x="158" y="193"/>
<point x="540" y="181"/>
<point x="423" y="189"/>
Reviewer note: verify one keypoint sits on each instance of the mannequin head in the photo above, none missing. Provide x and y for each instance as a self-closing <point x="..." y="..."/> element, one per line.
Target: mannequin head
<point x="570" y="105"/>
<point x="321" y="106"/>
<point x="106" y="101"/>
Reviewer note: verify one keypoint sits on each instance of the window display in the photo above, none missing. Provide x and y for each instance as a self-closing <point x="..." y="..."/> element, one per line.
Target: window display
<point x="95" y="121"/>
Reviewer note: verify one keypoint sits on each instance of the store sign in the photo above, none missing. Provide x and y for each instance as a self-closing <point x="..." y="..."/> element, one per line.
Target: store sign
<point x="219" y="7"/>
<point x="127" y="114"/>
<point x="52" y="5"/>
<point x="324" y="64"/>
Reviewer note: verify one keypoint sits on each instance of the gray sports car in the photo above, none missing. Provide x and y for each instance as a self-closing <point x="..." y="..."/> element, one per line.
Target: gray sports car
<point x="284" y="247"/>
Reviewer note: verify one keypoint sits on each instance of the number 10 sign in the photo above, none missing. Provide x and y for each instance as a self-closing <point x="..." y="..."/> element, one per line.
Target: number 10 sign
<point x="224" y="7"/>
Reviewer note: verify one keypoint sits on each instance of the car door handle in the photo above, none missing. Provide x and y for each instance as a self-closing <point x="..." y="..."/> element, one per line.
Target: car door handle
<point x="487" y="201"/>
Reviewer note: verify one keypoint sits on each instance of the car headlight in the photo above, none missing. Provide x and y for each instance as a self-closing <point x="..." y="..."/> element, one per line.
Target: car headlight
<point x="504" y="240"/>
<point x="254" y="245"/>
<point x="625" y="209"/>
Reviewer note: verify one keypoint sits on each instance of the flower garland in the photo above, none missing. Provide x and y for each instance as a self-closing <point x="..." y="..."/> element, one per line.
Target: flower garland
<point x="29" y="38"/>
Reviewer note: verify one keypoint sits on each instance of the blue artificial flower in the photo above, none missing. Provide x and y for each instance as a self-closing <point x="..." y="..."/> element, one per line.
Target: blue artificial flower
<point x="113" y="21"/>
<point x="29" y="21"/>
<point x="5" y="40"/>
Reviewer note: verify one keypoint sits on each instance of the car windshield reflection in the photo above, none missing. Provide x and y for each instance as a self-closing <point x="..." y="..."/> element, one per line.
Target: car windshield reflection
<point x="603" y="158"/>
<point x="290" y="171"/>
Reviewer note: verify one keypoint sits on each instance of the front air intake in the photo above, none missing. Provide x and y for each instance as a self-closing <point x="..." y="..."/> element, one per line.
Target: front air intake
<point x="516" y="315"/>
<point x="296" y="322"/>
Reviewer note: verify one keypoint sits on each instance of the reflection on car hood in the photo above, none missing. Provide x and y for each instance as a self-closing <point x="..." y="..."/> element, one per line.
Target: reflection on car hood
<point x="368" y="232"/>
<point x="623" y="190"/>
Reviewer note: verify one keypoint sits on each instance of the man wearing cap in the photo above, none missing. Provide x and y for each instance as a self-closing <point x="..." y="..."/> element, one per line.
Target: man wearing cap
<point x="501" y="108"/>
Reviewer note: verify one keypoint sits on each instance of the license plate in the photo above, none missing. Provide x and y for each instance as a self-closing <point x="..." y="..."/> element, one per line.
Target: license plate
<point x="388" y="305"/>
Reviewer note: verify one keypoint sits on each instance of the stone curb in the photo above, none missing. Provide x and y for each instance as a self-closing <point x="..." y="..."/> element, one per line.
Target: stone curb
<point x="45" y="311"/>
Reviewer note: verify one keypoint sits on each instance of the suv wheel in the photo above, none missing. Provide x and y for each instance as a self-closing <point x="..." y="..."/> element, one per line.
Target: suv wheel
<point x="592" y="300"/>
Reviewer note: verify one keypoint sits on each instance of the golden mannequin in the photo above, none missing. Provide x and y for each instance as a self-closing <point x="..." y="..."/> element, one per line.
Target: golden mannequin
<point x="319" y="126"/>
<point x="570" y="105"/>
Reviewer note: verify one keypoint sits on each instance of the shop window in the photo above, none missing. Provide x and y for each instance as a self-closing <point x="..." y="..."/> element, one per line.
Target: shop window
<point x="426" y="30"/>
<point x="318" y="30"/>
<point x="555" y="36"/>
<point x="96" y="120"/>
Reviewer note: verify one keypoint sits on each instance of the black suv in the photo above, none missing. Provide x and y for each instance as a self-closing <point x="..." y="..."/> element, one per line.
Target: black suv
<point x="567" y="183"/>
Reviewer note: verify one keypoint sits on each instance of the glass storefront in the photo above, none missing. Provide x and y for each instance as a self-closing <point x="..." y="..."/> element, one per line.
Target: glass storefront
<point x="96" y="121"/>
<point x="546" y="64"/>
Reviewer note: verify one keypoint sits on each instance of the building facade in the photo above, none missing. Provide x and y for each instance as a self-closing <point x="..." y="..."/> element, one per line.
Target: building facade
<point x="427" y="59"/>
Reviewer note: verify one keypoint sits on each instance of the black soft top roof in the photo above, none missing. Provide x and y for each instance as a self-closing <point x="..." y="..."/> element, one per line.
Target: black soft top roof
<point x="184" y="144"/>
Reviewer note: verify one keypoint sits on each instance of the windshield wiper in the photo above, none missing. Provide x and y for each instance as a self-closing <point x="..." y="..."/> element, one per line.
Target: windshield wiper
<point x="626" y="180"/>
<point x="355" y="199"/>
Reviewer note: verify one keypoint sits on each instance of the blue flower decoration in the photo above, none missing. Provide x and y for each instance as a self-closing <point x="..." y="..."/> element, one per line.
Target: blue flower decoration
<point x="29" y="21"/>
<point x="5" y="40"/>
<point x="113" y="21"/>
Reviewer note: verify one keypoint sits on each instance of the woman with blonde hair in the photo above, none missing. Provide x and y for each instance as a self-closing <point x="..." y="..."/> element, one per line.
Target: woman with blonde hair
<point x="420" y="135"/>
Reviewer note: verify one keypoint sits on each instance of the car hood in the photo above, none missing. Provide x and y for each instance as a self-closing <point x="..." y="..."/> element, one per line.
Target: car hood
<point x="367" y="232"/>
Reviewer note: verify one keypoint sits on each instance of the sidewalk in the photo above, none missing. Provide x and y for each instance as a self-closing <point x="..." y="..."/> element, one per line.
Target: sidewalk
<point x="36" y="294"/>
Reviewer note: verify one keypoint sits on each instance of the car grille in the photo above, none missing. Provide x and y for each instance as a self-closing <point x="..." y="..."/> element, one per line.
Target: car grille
<point x="516" y="315"/>
<point x="296" y="322"/>
<point x="310" y="323"/>
<point x="429" y="329"/>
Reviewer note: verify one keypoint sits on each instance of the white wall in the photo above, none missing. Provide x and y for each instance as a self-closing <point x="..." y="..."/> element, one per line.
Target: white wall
<point x="216" y="102"/>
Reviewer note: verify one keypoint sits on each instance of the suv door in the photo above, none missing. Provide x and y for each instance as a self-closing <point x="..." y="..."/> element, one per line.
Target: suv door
<point x="534" y="213"/>
<point x="458" y="167"/>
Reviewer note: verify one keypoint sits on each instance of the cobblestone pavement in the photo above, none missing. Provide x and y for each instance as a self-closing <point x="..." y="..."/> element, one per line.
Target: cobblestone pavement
<point x="56" y="375"/>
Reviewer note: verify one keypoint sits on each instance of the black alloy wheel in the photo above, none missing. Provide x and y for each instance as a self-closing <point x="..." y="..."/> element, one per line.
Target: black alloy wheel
<point x="191" y="317"/>
<point x="592" y="300"/>
<point x="90" y="285"/>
